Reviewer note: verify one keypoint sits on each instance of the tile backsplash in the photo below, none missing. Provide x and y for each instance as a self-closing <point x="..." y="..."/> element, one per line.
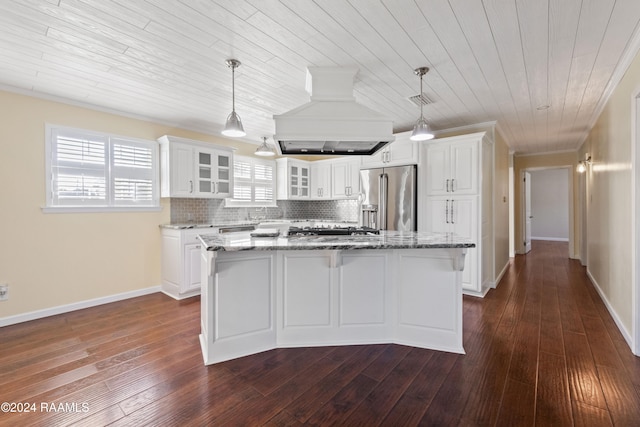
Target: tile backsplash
<point x="204" y="211"/>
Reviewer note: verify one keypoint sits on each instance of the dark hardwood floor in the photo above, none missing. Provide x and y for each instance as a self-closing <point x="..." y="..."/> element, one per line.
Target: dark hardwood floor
<point x="541" y="350"/>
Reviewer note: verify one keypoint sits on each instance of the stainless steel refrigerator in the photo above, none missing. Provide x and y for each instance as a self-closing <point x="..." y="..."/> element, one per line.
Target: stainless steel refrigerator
<point x="389" y="198"/>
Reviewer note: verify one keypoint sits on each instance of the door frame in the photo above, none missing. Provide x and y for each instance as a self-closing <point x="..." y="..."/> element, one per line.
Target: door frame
<point x="635" y="223"/>
<point x="526" y="218"/>
<point x="569" y="169"/>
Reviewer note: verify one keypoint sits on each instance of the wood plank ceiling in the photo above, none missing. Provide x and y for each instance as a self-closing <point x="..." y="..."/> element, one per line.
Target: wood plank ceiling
<point x="490" y="60"/>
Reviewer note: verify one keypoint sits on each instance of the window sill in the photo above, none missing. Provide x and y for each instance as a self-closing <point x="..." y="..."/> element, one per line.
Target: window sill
<point x="99" y="209"/>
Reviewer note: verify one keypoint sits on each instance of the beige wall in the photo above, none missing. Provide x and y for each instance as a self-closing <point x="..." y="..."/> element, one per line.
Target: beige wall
<point x="501" y="200"/>
<point x="609" y="196"/>
<point x="50" y="260"/>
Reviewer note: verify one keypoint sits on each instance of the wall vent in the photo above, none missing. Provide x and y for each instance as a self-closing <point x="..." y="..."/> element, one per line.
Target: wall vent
<point x="420" y="99"/>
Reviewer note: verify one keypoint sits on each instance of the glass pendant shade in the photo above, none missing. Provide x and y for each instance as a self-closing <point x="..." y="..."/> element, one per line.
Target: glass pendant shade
<point x="421" y="131"/>
<point x="581" y="167"/>
<point x="265" y="149"/>
<point x="233" y="127"/>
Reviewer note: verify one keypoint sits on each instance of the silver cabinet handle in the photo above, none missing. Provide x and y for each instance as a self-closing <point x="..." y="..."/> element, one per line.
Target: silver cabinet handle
<point x="446" y="211"/>
<point x="452" y="214"/>
<point x="213" y="187"/>
<point x="190" y="186"/>
<point x="448" y="185"/>
<point x="453" y="181"/>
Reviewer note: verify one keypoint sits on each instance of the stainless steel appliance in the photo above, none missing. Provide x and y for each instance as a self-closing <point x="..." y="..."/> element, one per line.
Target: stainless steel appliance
<point x="389" y="198"/>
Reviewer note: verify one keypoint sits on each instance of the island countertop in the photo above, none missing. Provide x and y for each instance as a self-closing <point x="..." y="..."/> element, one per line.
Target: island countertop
<point x="385" y="240"/>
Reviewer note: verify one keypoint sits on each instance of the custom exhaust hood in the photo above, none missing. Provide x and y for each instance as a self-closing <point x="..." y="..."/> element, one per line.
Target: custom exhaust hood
<point x="332" y="122"/>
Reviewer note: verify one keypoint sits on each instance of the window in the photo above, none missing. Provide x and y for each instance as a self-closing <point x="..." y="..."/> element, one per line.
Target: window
<point x="254" y="182"/>
<point x="89" y="171"/>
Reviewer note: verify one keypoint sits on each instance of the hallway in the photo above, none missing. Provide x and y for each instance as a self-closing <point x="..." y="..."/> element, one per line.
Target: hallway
<point x="541" y="350"/>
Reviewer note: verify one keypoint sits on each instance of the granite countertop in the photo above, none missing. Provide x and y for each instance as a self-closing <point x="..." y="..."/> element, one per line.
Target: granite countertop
<point x="185" y="226"/>
<point x="386" y="240"/>
<point x="188" y="225"/>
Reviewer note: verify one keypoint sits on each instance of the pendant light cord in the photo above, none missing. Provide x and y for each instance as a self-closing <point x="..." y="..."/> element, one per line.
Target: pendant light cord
<point x="233" y="87"/>
<point x="421" y="114"/>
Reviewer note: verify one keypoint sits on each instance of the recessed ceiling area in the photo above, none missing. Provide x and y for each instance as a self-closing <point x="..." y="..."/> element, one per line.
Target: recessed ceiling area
<point x="541" y="69"/>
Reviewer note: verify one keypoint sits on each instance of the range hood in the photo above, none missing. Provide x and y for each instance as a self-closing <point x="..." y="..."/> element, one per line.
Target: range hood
<point x="332" y="122"/>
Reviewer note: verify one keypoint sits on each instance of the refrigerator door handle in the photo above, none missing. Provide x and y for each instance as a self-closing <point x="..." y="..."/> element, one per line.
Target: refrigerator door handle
<point x="382" y="202"/>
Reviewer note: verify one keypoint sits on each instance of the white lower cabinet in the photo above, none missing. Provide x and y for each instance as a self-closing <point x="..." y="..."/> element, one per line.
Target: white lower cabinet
<point x="457" y="215"/>
<point x="181" y="277"/>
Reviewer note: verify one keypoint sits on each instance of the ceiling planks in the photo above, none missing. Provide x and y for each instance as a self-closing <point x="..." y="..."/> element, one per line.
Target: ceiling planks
<point x="490" y="60"/>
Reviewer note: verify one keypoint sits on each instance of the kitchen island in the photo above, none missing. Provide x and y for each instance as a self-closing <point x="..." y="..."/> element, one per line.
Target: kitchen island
<point x="260" y="293"/>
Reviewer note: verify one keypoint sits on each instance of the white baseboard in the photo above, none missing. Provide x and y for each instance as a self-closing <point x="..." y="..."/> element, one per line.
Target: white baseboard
<point x="612" y="312"/>
<point x="39" y="314"/>
<point x="553" y="239"/>
<point x="502" y="273"/>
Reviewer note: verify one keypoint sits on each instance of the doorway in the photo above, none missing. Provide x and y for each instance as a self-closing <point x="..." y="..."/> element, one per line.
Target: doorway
<point x="547" y="206"/>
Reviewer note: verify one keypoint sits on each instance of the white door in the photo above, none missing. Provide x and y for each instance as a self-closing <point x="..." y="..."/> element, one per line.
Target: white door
<point x="527" y="212"/>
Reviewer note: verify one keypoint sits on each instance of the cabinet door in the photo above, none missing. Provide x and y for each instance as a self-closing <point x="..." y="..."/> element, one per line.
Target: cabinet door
<point x="223" y="175"/>
<point x="402" y="152"/>
<point x="354" y="178"/>
<point x="340" y="174"/>
<point x="191" y="268"/>
<point x="298" y="181"/>
<point x="320" y="181"/>
<point x="438" y="216"/>
<point x="181" y="179"/>
<point x="305" y="181"/>
<point x="464" y="218"/>
<point x="375" y="160"/>
<point x="345" y="175"/>
<point x="464" y="168"/>
<point x="204" y="173"/>
<point x="438" y="169"/>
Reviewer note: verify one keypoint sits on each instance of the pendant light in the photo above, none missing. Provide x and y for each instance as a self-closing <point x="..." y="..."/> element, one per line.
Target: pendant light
<point x="421" y="130"/>
<point x="233" y="127"/>
<point x="265" y="149"/>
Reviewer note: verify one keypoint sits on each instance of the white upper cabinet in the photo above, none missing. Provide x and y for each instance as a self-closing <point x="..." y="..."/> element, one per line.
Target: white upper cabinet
<point x="321" y="180"/>
<point x="402" y="151"/>
<point x="293" y="179"/>
<point x="345" y="174"/>
<point x="452" y="167"/>
<point x="195" y="169"/>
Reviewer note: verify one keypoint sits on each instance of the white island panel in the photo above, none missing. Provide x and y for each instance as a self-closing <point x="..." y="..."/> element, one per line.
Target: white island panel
<point x="238" y="305"/>
<point x="307" y="288"/>
<point x="363" y="290"/>
<point x="426" y="279"/>
<point x="243" y="296"/>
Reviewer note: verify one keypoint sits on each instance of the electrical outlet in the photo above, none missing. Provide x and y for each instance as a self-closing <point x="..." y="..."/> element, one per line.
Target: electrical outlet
<point x="4" y="292"/>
